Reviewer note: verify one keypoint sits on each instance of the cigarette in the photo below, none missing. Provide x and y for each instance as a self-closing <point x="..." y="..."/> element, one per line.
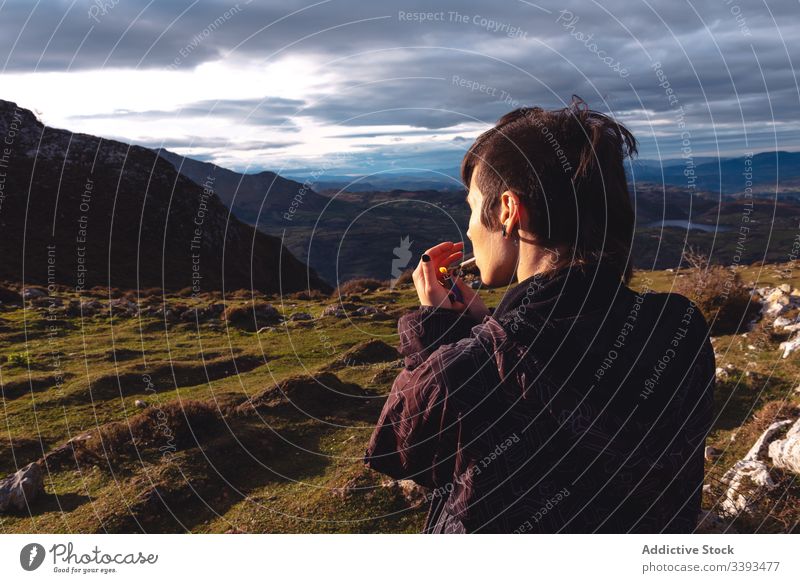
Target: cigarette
<point x="469" y="261"/>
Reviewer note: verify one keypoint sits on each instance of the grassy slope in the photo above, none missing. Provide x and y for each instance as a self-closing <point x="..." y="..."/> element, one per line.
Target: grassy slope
<point x="287" y="484"/>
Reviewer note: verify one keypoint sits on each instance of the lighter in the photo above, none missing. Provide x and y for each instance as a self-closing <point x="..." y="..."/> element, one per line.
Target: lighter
<point x="447" y="281"/>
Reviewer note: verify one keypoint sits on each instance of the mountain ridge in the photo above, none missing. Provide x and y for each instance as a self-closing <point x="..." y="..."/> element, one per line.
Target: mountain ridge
<point x="96" y="212"/>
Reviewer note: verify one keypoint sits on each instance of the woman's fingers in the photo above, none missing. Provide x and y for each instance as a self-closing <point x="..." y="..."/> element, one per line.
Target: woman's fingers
<point x="427" y="276"/>
<point x="437" y="252"/>
<point x="452" y="257"/>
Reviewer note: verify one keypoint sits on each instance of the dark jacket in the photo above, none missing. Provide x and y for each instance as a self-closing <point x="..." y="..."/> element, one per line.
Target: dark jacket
<point x="577" y="406"/>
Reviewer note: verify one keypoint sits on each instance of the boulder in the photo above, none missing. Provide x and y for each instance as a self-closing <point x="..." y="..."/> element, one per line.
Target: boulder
<point x="30" y="293"/>
<point x="301" y="316"/>
<point x="749" y="477"/>
<point x="790" y="345"/>
<point x="785" y="453"/>
<point x="335" y="311"/>
<point x="19" y="490"/>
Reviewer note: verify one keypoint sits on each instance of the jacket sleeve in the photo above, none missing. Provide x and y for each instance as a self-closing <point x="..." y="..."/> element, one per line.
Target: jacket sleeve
<point x="416" y="434"/>
<point x="427" y="328"/>
<point x="417" y="431"/>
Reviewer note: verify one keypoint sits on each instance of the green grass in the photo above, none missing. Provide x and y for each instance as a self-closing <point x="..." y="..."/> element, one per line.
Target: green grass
<point x="282" y="474"/>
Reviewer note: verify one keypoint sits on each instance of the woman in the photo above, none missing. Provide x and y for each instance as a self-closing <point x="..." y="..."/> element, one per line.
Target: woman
<point x="577" y="404"/>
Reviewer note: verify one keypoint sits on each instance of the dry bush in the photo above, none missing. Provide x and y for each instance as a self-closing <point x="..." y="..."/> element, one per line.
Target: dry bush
<point x="719" y="293"/>
<point x="405" y="277"/>
<point x="313" y="294"/>
<point x="764" y="336"/>
<point x="360" y="285"/>
<point x="251" y="316"/>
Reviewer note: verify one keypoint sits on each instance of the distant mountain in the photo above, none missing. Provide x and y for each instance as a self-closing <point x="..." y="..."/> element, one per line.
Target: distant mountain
<point x="247" y="195"/>
<point x="384" y="181"/>
<point x="768" y="169"/>
<point x="360" y="228"/>
<point x="79" y="210"/>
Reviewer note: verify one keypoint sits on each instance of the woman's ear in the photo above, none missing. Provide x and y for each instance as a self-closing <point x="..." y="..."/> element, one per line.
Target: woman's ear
<point x="509" y="210"/>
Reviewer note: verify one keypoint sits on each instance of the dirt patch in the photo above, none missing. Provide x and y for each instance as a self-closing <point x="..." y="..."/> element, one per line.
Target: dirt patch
<point x="162" y="377"/>
<point x="17" y="452"/>
<point x="24" y="386"/>
<point x="310" y="395"/>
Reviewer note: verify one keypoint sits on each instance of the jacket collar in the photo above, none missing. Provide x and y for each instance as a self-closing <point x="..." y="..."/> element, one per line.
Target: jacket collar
<point x="543" y="309"/>
<point x="569" y="291"/>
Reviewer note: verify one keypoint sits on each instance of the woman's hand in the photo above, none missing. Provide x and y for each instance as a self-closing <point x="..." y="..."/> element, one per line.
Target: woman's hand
<point x="430" y="290"/>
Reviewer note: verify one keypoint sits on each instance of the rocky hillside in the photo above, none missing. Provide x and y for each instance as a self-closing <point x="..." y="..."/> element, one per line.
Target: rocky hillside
<point x="81" y="211"/>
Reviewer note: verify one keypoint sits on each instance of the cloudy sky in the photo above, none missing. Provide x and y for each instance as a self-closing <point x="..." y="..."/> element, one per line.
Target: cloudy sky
<point x="345" y="86"/>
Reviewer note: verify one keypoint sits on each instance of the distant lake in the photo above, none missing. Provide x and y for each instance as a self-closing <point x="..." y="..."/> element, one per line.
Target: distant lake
<point x="683" y="224"/>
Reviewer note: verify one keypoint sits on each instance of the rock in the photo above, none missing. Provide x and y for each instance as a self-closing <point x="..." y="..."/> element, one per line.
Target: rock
<point x="19" y="490"/>
<point x="777" y="300"/>
<point x="749" y="476"/>
<point x="335" y="311"/>
<point x="366" y="310"/>
<point x="123" y="307"/>
<point x="785" y="453"/>
<point x="790" y="345"/>
<point x="745" y="481"/>
<point x="300" y="316"/>
<point x="141" y="404"/>
<point x="712" y="453"/>
<point x="30" y="293"/>
<point x="413" y="493"/>
<point x="90" y="307"/>
<point x="73" y="309"/>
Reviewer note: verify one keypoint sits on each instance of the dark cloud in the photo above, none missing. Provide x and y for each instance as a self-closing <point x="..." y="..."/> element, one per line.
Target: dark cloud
<point x="730" y="65"/>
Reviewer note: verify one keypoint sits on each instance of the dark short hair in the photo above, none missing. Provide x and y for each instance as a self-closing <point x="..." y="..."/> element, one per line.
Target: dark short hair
<point x="566" y="166"/>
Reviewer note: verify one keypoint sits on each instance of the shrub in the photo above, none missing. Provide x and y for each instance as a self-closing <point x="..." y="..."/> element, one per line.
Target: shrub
<point x="21" y="359"/>
<point x="250" y="316"/>
<point x="405" y="277"/>
<point x="720" y="294"/>
<point x="356" y="286"/>
<point x="313" y="294"/>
